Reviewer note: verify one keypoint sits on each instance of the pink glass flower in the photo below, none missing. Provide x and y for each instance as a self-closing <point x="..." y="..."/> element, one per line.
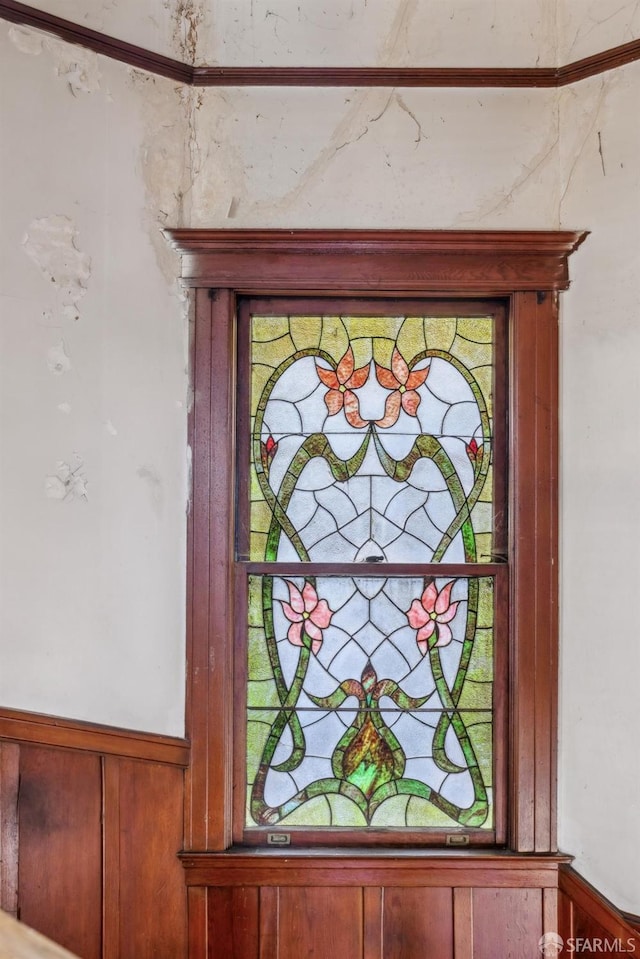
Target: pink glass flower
<point x="307" y="614"/>
<point x="431" y="614"/>
<point x="267" y="451"/>
<point x="341" y="382"/>
<point x="404" y="385"/>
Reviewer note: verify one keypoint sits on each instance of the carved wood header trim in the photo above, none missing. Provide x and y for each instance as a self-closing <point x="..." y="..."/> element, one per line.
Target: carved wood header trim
<point x="393" y="261"/>
<point x="221" y="76"/>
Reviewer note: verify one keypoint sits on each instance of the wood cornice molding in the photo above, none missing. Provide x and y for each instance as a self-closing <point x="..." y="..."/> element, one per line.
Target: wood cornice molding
<point x="405" y="77"/>
<point x="392" y="261"/>
<point x="26" y="727"/>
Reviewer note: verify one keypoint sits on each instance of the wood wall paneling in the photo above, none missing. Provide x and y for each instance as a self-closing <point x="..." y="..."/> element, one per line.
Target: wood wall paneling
<point x="506" y="923"/>
<point x="9" y="785"/>
<point x="463" y="923"/>
<point x="234" y="923"/>
<point x="60" y="867"/>
<point x="319" y="922"/>
<point x="89" y="850"/>
<point x="418" y="923"/>
<point x="151" y="901"/>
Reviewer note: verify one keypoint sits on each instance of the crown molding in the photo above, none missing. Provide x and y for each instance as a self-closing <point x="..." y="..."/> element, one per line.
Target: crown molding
<point x="406" y="77"/>
<point x="389" y="261"/>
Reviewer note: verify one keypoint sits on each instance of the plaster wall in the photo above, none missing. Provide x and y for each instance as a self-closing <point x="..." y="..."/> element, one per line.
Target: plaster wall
<point x="599" y="801"/>
<point x="586" y="27"/>
<point x="93" y="389"/>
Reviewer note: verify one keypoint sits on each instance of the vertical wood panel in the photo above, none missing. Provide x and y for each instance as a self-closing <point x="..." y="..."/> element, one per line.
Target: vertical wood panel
<point x="60" y="871"/>
<point x="550" y="910"/>
<point x="533" y="503"/>
<point x="320" y="923"/>
<point x="463" y="923"/>
<point x="152" y="892"/>
<point x="506" y="923"/>
<point x="198" y="572"/>
<point x="198" y="933"/>
<point x="9" y="783"/>
<point x="269" y="921"/>
<point x="565" y="916"/>
<point x="546" y="572"/>
<point x="373" y="929"/>
<point x="418" y="923"/>
<point x="209" y="819"/>
<point x="110" y="857"/>
<point x="233" y="916"/>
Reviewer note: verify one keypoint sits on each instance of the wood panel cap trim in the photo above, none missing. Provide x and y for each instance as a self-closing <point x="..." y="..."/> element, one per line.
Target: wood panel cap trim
<point x="209" y="76"/>
<point x="350" y="868"/>
<point x="19" y="726"/>
<point x="409" y="261"/>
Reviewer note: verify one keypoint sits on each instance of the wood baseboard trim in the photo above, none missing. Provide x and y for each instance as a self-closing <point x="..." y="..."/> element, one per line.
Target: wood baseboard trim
<point x="583" y="895"/>
<point x="405" y="77"/>
<point x="34" y="728"/>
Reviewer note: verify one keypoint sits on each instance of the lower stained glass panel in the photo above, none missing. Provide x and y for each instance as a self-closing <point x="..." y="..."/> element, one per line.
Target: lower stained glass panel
<point x="370" y="702"/>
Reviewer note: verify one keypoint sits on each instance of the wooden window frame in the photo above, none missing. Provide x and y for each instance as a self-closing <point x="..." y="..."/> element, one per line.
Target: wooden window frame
<point x="527" y="270"/>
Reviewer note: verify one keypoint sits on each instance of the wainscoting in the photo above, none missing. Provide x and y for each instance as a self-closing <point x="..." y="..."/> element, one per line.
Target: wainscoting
<point x="89" y="840"/>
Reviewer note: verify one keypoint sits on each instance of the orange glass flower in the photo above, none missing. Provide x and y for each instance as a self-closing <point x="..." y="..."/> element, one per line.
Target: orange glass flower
<point x="341" y="382"/>
<point x="404" y="384"/>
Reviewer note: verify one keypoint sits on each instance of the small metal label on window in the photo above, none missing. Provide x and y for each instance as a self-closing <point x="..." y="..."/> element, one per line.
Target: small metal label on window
<point x="278" y="839"/>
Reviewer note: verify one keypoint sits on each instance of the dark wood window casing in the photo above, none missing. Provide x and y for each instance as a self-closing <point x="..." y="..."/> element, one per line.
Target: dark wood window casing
<point x="523" y="272"/>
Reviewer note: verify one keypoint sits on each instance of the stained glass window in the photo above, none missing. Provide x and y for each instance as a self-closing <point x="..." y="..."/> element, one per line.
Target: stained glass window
<point x="373" y="524"/>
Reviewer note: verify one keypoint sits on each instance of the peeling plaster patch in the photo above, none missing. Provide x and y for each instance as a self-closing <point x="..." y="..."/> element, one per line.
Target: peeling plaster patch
<point x="110" y="428"/>
<point x="51" y="243"/>
<point x="26" y="41"/>
<point x="164" y="163"/>
<point x="79" y="67"/>
<point x="68" y="482"/>
<point x="58" y="360"/>
<point x="64" y="407"/>
<point x="187" y="17"/>
<point x="154" y="483"/>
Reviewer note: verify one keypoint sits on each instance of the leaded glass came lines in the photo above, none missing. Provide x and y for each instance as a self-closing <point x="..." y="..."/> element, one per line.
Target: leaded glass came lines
<point x="369" y="698"/>
<point x="382" y="450"/>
